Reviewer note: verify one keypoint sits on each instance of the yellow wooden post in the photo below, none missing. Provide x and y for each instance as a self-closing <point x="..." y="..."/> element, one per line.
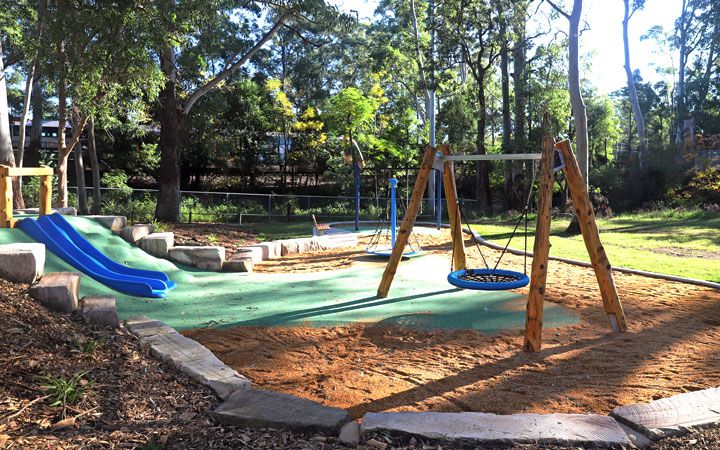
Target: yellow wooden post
<point x="407" y="223"/>
<point x="591" y="236"/>
<point x="541" y="251"/>
<point x="6" y="199"/>
<point x="45" y="194"/>
<point x="453" y="208"/>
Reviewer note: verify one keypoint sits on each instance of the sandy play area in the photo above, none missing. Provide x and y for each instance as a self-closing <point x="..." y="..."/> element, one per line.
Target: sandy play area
<point x="670" y="347"/>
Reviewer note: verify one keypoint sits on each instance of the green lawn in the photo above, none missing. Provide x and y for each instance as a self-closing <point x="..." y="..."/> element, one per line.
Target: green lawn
<point x="685" y="243"/>
<point x="277" y="230"/>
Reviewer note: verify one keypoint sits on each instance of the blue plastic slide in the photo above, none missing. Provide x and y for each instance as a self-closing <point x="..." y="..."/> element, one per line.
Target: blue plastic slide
<point x="44" y="230"/>
<point x="84" y="245"/>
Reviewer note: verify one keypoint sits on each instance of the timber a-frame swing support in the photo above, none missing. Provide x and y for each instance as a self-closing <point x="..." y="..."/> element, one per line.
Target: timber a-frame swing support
<point x="441" y="159"/>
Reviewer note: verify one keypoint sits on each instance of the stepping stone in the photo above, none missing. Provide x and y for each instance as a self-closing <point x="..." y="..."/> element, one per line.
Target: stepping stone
<point x="673" y="415"/>
<point x="260" y="408"/>
<point x="115" y="223"/>
<point x="188" y="356"/>
<point x="270" y="250"/>
<point x="158" y="244"/>
<point x="100" y="310"/>
<point x="239" y="262"/>
<point x="300" y="245"/>
<point x="331" y="241"/>
<point x="134" y="233"/>
<point x="205" y="258"/>
<point x="58" y="291"/>
<point x="22" y="263"/>
<point x="482" y="428"/>
<point x="143" y="327"/>
<point x="256" y="253"/>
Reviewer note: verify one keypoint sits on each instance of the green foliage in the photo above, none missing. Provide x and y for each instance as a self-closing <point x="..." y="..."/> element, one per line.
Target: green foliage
<point x="67" y="391"/>
<point x="702" y="187"/>
<point x="86" y="345"/>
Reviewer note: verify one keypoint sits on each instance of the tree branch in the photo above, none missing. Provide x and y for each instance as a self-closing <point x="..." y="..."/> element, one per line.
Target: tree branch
<point x="558" y="9"/>
<point x="222" y="76"/>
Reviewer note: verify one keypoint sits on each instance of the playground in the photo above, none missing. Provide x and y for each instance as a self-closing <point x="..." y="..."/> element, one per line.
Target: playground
<point x="312" y="325"/>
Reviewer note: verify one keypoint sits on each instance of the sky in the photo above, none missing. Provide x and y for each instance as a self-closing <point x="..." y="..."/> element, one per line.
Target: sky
<point x="603" y="39"/>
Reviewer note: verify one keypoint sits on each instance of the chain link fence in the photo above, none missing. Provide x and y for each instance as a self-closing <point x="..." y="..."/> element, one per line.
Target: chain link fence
<point x="237" y="207"/>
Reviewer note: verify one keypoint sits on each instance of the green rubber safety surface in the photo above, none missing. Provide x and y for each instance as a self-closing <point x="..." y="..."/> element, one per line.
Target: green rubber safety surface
<point x="420" y="296"/>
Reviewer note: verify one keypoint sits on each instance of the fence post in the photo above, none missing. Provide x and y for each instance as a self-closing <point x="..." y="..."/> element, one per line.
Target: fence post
<point x="269" y="207"/>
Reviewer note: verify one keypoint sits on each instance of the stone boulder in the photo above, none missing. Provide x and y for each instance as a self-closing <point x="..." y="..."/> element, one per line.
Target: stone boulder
<point x="134" y="233"/>
<point x="300" y="245"/>
<point x="114" y="223"/>
<point x="158" y="244"/>
<point x="100" y="310"/>
<point x="205" y="258"/>
<point x="67" y="211"/>
<point x="58" y="291"/>
<point x="22" y="263"/>
<point x="239" y="262"/>
<point x="270" y="250"/>
<point x="256" y="253"/>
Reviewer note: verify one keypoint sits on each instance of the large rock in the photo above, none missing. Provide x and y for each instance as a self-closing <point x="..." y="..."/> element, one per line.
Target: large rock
<point x="259" y="408"/>
<point x="299" y="245"/>
<point x="100" y="310"/>
<point x="256" y="253"/>
<point x="188" y="356"/>
<point x="205" y="258"/>
<point x="339" y="240"/>
<point x="22" y="263"/>
<point x="239" y="262"/>
<point x="134" y="233"/>
<point x="490" y="429"/>
<point x="114" y="223"/>
<point x="672" y="415"/>
<point x="270" y="250"/>
<point x="158" y="244"/>
<point x="58" y="291"/>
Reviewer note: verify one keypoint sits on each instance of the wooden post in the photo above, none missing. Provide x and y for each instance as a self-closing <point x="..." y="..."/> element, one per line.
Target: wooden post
<point x="591" y="236"/>
<point x="408" y="222"/>
<point x="541" y="251"/>
<point x="45" y="194"/>
<point x="453" y="208"/>
<point x="6" y="198"/>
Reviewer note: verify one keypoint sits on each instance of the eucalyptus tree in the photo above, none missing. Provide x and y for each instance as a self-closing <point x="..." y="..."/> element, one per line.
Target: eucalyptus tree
<point x="101" y="67"/>
<point x="576" y="98"/>
<point x="632" y="91"/>
<point x="206" y="42"/>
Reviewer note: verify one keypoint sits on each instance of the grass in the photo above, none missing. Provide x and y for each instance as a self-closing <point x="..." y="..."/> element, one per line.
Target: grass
<point x="276" y="230"/>
<point x="66" y="391"/>
<point x="682" y="243"/>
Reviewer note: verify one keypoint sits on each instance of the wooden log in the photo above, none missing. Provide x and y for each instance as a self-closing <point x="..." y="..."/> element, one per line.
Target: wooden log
<point x="407" y="223"/>
<point x="459" y="260"/>
<point x="6" y="202"/>
<point x="591" y="236"/>
<point x="25" y="171"/>
<point x="541" y="251"/>
<point x="45" y="194"/>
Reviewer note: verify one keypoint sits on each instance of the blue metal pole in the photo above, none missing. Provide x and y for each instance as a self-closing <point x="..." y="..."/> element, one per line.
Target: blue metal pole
<point x="393" y="211"/>
<point x="356" y="169"/>
<point x="438" y="197"/>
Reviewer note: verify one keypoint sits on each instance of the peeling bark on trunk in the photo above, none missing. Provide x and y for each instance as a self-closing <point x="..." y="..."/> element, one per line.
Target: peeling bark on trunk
<point x="632" y="91"/>
<point x="483" y="193"/>
<point x="509" y="185"/>
<point x="32" y="155"/>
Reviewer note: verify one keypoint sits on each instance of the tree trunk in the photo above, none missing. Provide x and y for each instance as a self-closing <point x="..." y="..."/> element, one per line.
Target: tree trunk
<point x="507" y="123"/>
<point x="520" y="91"/>
<point x="171" y="117"/>
<point x="632" y="91"/>
<point x="32" y="156"/>
<point x="681" y="113"/>
<point x="576" y="99"/>
<point x="94" y="167"/>
<point x="483" y="193"/>
<point x="80" y="181"/>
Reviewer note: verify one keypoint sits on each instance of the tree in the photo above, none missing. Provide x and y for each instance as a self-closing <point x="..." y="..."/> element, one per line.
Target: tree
<point x="229" y="51"/>
<point x="576" y="98"/>
<point x="7" y="157"/>
<point x="632" y="91"/>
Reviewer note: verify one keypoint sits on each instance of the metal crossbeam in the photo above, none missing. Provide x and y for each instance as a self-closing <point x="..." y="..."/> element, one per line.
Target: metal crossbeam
<point x="494" y="157"/>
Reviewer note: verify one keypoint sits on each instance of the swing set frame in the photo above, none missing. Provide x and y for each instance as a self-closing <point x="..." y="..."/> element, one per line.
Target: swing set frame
<point x="441" y="158"/>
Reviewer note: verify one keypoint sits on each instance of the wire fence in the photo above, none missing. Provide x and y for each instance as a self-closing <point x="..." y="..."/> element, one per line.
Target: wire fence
<point x="238" y="207"/>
